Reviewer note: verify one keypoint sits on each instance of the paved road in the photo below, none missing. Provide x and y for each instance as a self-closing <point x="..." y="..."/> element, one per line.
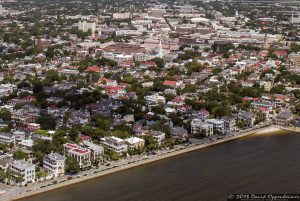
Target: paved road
<point x="133" y="159"/>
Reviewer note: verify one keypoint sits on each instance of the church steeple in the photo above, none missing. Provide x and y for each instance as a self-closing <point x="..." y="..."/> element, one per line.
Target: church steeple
<point x="160" y="53"/>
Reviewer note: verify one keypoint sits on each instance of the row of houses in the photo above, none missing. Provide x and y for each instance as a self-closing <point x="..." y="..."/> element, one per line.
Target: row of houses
<point x="207" y="127"/>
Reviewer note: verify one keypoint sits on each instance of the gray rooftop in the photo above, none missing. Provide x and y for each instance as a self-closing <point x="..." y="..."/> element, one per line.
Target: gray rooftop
<point x="56" y="156"/>
<point x="284" y="115"/>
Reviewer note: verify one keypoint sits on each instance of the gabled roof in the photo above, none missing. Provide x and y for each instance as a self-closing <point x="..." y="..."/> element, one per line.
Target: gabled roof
<point x="95" y="69"/>
<point x="284" y="115"/>
<point x="170" y="83"/>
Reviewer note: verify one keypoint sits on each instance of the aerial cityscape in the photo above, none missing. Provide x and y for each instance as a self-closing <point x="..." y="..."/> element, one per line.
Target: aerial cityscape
<point x="93" y="90"/>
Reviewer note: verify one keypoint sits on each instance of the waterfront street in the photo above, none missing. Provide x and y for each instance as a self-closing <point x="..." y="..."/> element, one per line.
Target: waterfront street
<point x="92" y="92"/>
<point x="254" y="163"/>
<point x="38" y="187"/>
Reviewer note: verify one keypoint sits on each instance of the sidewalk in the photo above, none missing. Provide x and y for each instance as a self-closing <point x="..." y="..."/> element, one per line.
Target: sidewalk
<point x="124" y="164"/>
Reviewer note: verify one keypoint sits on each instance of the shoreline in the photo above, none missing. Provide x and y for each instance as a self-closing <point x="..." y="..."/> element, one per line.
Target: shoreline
<point x="145" y="161"/>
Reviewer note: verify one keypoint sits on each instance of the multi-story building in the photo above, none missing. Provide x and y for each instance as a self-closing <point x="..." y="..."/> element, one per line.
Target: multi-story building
<point x="262" y="104"/>
<point x="135" y="142"/>
<point x="157" y="12"/>
<point x="229" y="123"/>
<point x="114" y="143"/>
<point x="97" y="151"/>
<point x="33" y="127"/>
<point x="24" y="116"/>
<point x="158" y="136"/>
<point x="295" y="58"/>
<point x="7" y="138"/>
<point x="179" y="133"/>
<point x="117" y="56"/>
<point x="166" y="45"/>
<point x="7" y="89"/>
<point x="54" y="163"/>
<point x="121" y="15"/>
<point x="217" y="124"/>
<point x="284" y="118"/>
<point x="21" y="171"/>
<point x="155" y="99"/>
<point x="143" y="57"/>
<point x="267" y="85"/>
<point x="26" y="143"/>
<point x="247" y="117"/>
<point x="201" y="114"/>
<point x="199" y="127"/>
<point x="85" y="26"/>
<point x="82" y="155"/>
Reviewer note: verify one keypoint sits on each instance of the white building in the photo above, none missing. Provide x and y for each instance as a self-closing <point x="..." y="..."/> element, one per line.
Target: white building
<point x="217" y="124"/>
<point x="114" y="143"/>
<point x="21" y="171"/>
<point x="128" y="32"/>
<point x="295" y="58"/>
<point x="54" y="163"/>
<point x="135" y="142"/>
<point x="158" y="136"/>
<point x="7" y="138"/>
<point x="121" y="15"/>
<point x="26" y="143"/>
<point x="97" y="151"/>
<point x="85" y="26"/>
<point x="118" y="57"/>
<point x="1" y="8"/>
<point x="229" y="123"/>
<point x="155" y="99"/>
<point x="82" y="156"/>
<point x="200" y="20"/>
<point x="200" y="127"/>
<point x="7" y="89"/>
<point x="143" y="57"/>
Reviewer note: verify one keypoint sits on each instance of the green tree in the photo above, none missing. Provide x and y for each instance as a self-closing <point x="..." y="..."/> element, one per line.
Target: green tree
<point x="121" y="134"/>
<point x="40" y="174"/>
<point x="5" y="114"/>
<point x="72" y="166"/>
<point x="19" y="154"/>
<point x="278" y="89"/>
<point x="112" y="155"/>
<point x="150" y="143"/>
<point x="297" y="108"/>
<point x="190" y="88"/>
<point x="73" y="133"/>
<point x="159" y="62"/>
<point x="46" y="122"/>
<point x="38" y="87"/>
<point x="52" y="76"/>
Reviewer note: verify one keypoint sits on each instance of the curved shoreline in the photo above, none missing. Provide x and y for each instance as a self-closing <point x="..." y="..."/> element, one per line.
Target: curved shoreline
<point x="145" y="161"/>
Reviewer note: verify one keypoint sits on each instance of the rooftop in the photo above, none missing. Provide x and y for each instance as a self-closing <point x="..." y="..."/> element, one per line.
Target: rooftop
<point x="21" y="164"/>
<point x="56" y="156"/>
<point x="133" y="140"/>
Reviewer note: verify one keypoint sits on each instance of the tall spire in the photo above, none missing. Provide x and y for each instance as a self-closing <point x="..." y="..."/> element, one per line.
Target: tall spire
<point x="131" y="11"/>
<point x="160" y="53"/>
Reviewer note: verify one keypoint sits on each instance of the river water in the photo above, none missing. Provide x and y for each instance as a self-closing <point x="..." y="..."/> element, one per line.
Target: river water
<point x="261" y="163"/>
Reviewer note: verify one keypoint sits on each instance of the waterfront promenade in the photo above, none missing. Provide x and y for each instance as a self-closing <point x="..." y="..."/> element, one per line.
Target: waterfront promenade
<point x="36" y="188"/>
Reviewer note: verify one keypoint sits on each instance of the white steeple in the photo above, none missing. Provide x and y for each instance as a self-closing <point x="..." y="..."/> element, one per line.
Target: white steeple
<point x="160" y="53"/>
<point x="237" y="14"/>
